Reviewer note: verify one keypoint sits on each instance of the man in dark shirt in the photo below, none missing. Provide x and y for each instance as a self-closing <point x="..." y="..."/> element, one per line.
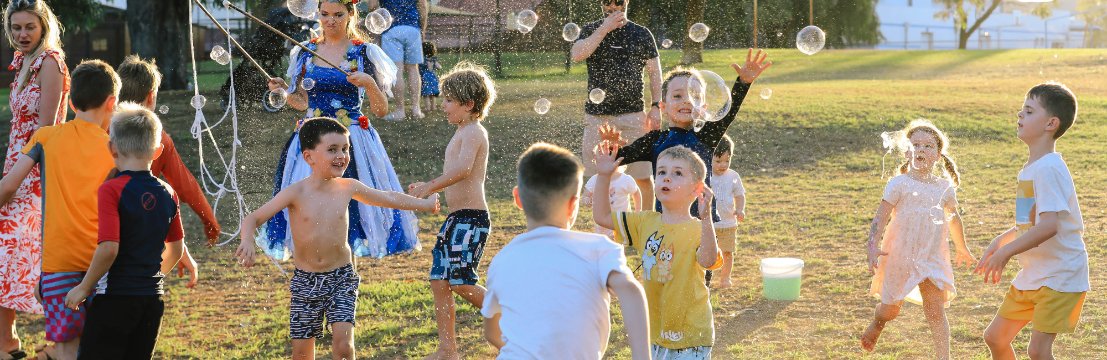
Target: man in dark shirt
<point x="616" y="51"/>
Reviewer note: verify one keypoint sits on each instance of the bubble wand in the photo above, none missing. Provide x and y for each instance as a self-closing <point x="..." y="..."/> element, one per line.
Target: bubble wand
<point x="285" y="36"/>
<point x="233" y="41"/>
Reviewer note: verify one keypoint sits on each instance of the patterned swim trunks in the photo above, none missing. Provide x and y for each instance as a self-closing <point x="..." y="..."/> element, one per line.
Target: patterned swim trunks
<point x="459" y="247"/>
<point x="332" y="294"/>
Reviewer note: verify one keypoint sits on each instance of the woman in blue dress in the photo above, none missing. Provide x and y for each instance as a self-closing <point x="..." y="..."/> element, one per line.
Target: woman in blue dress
<point x="322" y="90"/>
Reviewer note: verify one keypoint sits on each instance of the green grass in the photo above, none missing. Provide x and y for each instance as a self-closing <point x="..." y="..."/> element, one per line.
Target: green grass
<point x="811" y="160"/>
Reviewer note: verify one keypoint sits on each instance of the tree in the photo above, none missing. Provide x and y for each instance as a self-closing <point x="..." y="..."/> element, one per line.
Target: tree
<point x="159" y="30"/>
<point x="76" y="15"/>
<point x="982" y="9"/>
<point x="693" y="51"/>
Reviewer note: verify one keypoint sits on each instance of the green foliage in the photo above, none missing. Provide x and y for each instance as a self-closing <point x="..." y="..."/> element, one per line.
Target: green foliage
<point x="77" y="15"/>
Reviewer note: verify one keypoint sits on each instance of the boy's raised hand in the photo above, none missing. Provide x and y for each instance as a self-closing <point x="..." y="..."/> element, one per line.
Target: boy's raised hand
<point x="703" y="205"/>
<point x="612" y="134"/>
<point x="245" y="253"/>
<point x="755" y="65"/>
<point x="606" y="163"/>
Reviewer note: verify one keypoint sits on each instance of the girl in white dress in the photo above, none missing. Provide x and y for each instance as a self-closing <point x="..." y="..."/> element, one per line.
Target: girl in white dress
<point x="908" y="246"/>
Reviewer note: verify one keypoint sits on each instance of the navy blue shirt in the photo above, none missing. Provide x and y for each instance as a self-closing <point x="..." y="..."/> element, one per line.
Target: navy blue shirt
<point x="404" y="12"/>
<point x="703" y="142"/>
<point x="616" y="67"/>
<point x="140" y="212"/>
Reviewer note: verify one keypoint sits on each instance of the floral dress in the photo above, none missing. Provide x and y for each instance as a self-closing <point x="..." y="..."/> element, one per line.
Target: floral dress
<point x="21" y="218"/>
<point x="373" y="231"/>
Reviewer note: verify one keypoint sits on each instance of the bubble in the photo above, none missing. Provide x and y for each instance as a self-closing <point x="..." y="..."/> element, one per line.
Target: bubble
<point x="303" y="8"/>
<point x="220" y="55"/>
<point x="698" y="124"/>
<point x="892" y="140"/>
<point x="542" y="106"/>
<point x="666" y="43"/>
<point x="779" y="34"/>
<point x="711" y="100"/>
<point x="571" y="32"/>
<point x="766" y="93"/>
<point x="810" y="40"/>
<point x="597" y="95"/>
<point x="276" y="99"/>
<point x="164" y="109"/>
<point x="378" y="21"/>
<point x="307" y="83"/>
<point x="698" y="32"/>
<point x="198" y="102"/>
<point x="938" y="215"/>
<point x="526" y="20"/>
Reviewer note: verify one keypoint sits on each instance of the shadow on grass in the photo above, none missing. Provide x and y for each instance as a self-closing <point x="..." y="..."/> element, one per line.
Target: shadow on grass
<point x="750" y="320"/>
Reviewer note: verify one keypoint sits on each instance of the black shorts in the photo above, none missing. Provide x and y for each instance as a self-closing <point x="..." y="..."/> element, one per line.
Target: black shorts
<point x="122" y="327"/>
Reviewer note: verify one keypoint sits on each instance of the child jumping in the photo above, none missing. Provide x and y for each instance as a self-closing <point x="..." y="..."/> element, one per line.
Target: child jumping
<point x="915" y="219"/>
<point x="469" y="93"/>
<point x="571" y="305"/>
<point x="625" y="196"/>
<point x="140" y="240"/>
<point x="1048" y="235"/>
<point x="325" y="282"/>
<point x="730" y="197"/>
<point x="676" y="248"/>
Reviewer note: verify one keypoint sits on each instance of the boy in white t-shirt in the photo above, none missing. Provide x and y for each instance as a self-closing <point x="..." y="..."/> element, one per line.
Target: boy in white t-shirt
<point x="625" y="196"/>
<point x="1048" y="235"/>
<point x="566" y="315"/>
<point x="730" y="201"/>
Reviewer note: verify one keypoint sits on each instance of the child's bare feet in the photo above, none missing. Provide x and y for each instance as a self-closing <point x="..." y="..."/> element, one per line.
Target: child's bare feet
<point x="725" y="284"/>
<point x="872" y="333"/>
<point x="396" y="115"/>
<point x="443" y="355"/>
<point x="418" y="113"/>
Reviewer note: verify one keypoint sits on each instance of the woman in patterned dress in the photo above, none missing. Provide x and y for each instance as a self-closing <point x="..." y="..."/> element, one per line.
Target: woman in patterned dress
<point x="38" y="97"/>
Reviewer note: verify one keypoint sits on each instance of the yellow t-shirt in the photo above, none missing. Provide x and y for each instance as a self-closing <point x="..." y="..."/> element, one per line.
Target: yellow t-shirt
<point x="74" y="160"/>
<point x="679" y="305"/>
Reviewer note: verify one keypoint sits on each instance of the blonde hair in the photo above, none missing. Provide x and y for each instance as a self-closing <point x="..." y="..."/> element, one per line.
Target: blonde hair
<point x="352" y="30"/>
<point x="681" y="71"/>
<point x="681" y="153"/>
<point x="135" y="130"/>
<point x="949" y="167"/>
<point x="51" y="30"/>
<point x="470" y="82"/>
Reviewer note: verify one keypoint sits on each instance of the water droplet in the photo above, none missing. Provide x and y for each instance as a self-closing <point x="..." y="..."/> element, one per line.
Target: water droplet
<point x="307" y="83"/>
<point x="542" y="106"/>
<point x="597" y="95"/>
<point x="526" y="20"/>
<point x="766" y="93"/>
<point x="666" y="43"/>
<point x="698" y="32"/>
<point x="810" y="40"/>
<point x="198" y="102"/>
<point x="378" y="21"/>
<point x="303" y="8"/>
<point x="164" y="109"/>
<point x="570" y="32"/>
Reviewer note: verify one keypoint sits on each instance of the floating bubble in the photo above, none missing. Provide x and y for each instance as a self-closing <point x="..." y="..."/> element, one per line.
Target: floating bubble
<point x="698" y="32"/>
<point x="666" y="43"/>
<point x="220" y="55"/>
<point x="198" y="102"/>
<point x="597" y="95"/>
<point x="892" y="140"/>
<point x="307" y="83"/>
<point x="810" y="40"/>
<point x="711" y="101"/>
<point x="276" y="99"/>
<point x="164" y="109"/>
<point x="779" y="34"/>
<point x="698" y="124"/>
<point x="378" y="21"/>
<point x="526" y="20"/>
<point x="571" y="32"/>
<point x="542" y="106"/>
<point x="766" y="93"/>
<point x="303" y="8"/>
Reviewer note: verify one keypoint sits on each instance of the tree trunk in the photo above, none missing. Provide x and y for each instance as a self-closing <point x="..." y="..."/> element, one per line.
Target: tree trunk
<point x="159" y="30"/>
<point x="963" y="39"/>
<point x="693" y="51"/>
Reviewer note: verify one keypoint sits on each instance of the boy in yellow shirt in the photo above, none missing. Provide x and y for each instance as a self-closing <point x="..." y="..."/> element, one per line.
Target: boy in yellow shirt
<point x="677" y="250"/>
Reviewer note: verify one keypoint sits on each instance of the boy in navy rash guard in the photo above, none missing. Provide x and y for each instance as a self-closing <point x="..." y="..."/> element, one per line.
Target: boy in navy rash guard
<point x="139" y="241"/>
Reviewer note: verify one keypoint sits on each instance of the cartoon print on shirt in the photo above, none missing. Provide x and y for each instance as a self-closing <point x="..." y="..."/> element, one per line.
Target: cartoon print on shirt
<point x="665" y="264"/>
<point x="649" y="257"/>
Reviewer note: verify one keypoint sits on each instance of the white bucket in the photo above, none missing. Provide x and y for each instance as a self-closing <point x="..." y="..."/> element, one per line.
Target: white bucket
<point x="781" y="278"/>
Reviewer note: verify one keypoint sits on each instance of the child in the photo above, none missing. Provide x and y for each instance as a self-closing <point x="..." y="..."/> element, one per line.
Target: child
<point x="1048" y="235"/>
<point x="678" y="107"/>
<point x="469" y="93"/>
<point x="140" y="237"/>
<point x="676" y="250"/>
<point x="325" y="282"/>
<point x="576" y="270"/>
<point x="625" y="196"/>
<point x="74" y="160"/>
<point x="730" y="197"/>
<point x="429" y="71"/>
<point x="922" y="209"/>
<point x="141" y="80"/>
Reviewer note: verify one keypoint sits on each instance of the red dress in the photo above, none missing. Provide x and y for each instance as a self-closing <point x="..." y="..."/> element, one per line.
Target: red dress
<point x="21" y="218"/>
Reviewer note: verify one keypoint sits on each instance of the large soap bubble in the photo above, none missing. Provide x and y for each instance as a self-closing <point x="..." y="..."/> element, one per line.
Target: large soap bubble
<point x="666" y="43"/>
<point x="163" y="109"/>
<point x="378" y="21"/>
<point x="303" y="8"/>
<point x="597" y="95"/>
<point x="710" y="100"/>
<point x="307" y="83"/>
<point x="542" y="106"/>
<point x="526" y="20"/>
<point x="276" y="99"/>
<point x="810" y="40"/>
<point x="198" y="102"/>
<point x="571" y="32"/>
<point x="220" y="55"/>
<point x="698" y="32"/>
<point x="766" y="93"/>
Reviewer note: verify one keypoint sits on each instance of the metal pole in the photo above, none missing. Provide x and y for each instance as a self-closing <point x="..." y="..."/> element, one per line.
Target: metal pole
<point x="497" y="65"/>
<point x="755" y="23"/>
<point x="811" y="12"/>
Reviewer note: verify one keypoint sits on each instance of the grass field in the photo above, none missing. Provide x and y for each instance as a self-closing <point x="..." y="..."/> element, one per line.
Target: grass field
<point x="810" y="157"/>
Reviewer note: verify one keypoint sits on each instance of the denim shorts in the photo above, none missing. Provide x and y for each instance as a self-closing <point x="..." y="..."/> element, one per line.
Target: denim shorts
<point x="403" y="44"/>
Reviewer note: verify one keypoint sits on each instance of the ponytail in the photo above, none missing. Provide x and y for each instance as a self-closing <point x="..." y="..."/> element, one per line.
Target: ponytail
<point x="951" y="170"/>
